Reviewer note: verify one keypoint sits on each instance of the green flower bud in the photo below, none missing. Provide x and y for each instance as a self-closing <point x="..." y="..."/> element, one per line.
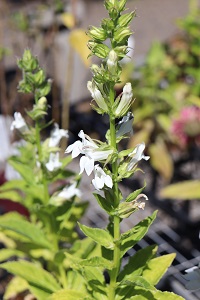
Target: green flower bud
<point x="39" y="77"/>
<point x="121" y="5"/>
<point x="98" y="34"/>
<point x="121" y="35"/>
<point x="44" y="89"/>
<point x="125" y="19"/>
<point x="99" y="50"/>
<point x="107" y="25"/>
<point x="28" y="62"/>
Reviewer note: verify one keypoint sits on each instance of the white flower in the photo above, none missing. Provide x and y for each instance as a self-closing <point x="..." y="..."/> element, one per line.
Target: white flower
<point x="125" y="101"/>
<point x="137" y="155"/>
<point x="90" y="150"/>
<point x="101" y="178"/>
<point x="56" y="135"/>
<point x="112" y="61"/>
<point x="53" y="163"/>
<point x="70" y="191"/>
<point x="19" y="123"/>
<point x="97" y="96"/>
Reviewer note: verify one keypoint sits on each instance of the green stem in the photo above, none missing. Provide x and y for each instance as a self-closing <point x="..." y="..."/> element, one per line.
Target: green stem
<point x="116" y="220"/>
<point x="39" y="148"/>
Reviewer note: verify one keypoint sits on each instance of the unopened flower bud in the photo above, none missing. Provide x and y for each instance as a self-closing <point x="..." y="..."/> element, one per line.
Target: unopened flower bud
<point x="97" y="96"/>
<point x="112" y="61"/>
<point x="99" y="50"/>
<point x="125" y="19"/>
<point x="128" y="208"/>
<point x="42" y="103"/>
<point x="98" y="34"/>
<point x="121" y="34"/>
<point x="125" y="102"/>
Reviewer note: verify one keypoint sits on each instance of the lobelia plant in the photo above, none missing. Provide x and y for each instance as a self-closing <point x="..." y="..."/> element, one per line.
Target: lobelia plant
<point x="47" y="190"/>
<point x="137" y="279"/>
<point x="59" y="266"/>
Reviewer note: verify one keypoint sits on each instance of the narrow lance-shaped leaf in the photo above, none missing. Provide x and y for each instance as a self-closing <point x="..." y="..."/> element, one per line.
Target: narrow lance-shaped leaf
<point x="132" y="236"/>
<point x="33" y="274"/>
<point x="100" y="236"/>
<point x="26" y="229"/>
<point x="185" y="190"/>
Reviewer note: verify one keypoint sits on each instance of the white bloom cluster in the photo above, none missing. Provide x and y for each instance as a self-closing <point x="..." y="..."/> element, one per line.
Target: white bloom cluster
<point x="91" y="153"/>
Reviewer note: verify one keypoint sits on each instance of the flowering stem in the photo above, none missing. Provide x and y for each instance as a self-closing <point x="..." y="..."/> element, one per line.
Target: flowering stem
<point x="116" y="219"/>
<point x="39" y="149"/>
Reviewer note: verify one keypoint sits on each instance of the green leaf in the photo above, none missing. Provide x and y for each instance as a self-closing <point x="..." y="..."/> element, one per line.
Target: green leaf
<point x="185" y="190"/>
<point x="95" y="279"/>
<point x="138" y="281"/>
<point x="137" y="262"/>
<point x="156" y="268"/>
<point x="26" y="229"/>
<point x="143" y="294"/>
<point x="132" y="236"/>
<point x="8" y="253"/>
<point x="103" y="203"/>
<point x="67" y="294"/>
<point x="100" y="236"/>
<point x="97" y="262"/>
<point x="133" y="195"/>
<point x="161" y="160"/>
<point x="15" y="286"/>
<point x="33" y="274"/>
<point x="25" y="171"/>
<point x="11" y="195"/>
<point x="12" y="184"/>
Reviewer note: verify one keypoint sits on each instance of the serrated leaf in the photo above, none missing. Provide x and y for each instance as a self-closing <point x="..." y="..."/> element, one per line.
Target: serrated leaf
<point x="97" y="262"/>
<point x="143" y="294"/>
<point x="185" y="190"/>
<point x="67" y="294"/>
<point x="26" y="229"/>
<point x="161" y="159"/>
<point x="33" y="274"/>
<point x="100" y="236"/>
<point x="132" y="236"/>
<point x="15" y="286"/>
<point x="78" y="40"/>
<point x="156" y="268"/>
<point x="137" y="262"/>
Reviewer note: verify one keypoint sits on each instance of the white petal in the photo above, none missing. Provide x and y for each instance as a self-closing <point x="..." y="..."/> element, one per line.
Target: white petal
<point x="108" y="181"/>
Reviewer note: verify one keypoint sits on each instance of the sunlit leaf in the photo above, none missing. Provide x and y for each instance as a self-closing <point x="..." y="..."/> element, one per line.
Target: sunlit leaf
<point x="78" y="40"/>
<point x="156" y="268"/>
<point x="26" y="229"/>
<point x="67" y="294"/>
<point x="161" y="159"/>
<point x="15" y="286"/>
<point x="100" y="236"/>
<point x="132" y="236"/>
<point x="185" y="190"/>
<point x="68" y="20"/>
<point x="33" y="274"/>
